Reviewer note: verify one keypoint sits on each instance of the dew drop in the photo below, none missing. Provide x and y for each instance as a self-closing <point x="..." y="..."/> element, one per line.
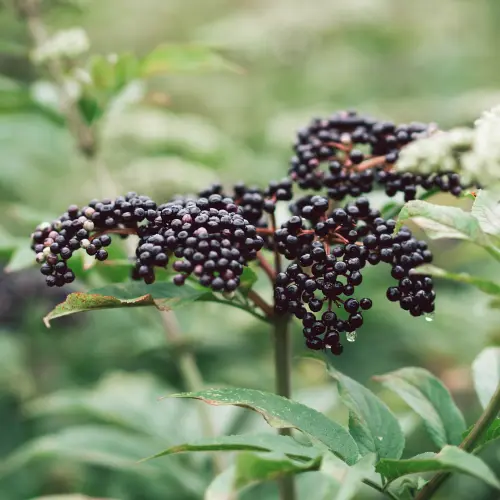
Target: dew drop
<point x="429" y="317"/>
<point x="351" y="336"/>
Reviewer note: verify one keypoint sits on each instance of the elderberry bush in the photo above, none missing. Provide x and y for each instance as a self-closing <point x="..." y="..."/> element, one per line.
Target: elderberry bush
<point x="212" y="236"/>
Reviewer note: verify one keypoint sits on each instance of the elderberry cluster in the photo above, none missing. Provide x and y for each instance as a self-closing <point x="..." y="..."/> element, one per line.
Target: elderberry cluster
<point x="330" y="249"/>
<point x="54" y="243"/>
<point x="359" y="153"/>
<point x="209" y="236"/>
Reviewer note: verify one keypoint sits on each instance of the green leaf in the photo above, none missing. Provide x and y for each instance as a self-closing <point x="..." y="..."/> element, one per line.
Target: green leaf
<point x="252" y="468"/>
<point x="170" y="58"/>
<point x="450" y="458"/>
<point x="283" y="413"/>
<point x="486" y="374"/>
<point x="372" y="425"/>
<point x="246" y="442"/>
<point x="443" y="222"/>
<point x="491" y="434"/>
<point x="76" y="496"/>
<point x="113" y="72"/>
<point x="484" y="285"/>
<point x="247" y="279"/>
<point x="428" y="397"/>
<point x="486" y="209"/>
<point x="165" y="296"/>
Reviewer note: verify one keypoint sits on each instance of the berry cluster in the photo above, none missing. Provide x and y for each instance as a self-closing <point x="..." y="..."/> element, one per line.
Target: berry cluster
<point x="209" y="236"/>
<point x="54" y="243"/>
<point x="329" y="250"/>
<point x="359" y="153"/>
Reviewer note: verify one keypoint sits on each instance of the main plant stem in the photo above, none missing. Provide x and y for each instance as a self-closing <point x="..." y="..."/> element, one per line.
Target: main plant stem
<point x="468" y="444"/>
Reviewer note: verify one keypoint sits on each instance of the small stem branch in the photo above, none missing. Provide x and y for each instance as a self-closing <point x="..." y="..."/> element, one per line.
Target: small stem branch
<point x="192" y="378"/>
<point x="375" y="486"/>
<point x="283" y="366"/>
<point x="271" y="273"/>
<point x="123" y="231"/>
<point x="261" y="303"/>
<point x="82" y="133"/>
<point x="468" y="444"/>
<point x="277" y="256"/>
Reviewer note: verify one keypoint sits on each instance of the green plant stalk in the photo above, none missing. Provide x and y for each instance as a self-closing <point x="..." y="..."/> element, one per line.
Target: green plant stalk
<point x="283" y="367"/>
<point x="468" y="444"/>
<point x="192" y="377"/>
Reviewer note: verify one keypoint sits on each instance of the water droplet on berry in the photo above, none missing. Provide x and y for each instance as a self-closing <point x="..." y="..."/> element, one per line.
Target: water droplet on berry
<point x="429" y="317"/>
<point x="351" y="336"/>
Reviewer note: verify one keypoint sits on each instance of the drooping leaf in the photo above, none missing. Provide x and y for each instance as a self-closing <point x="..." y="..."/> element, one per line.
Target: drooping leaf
<point x="484" y="285"/>
<point x="283" y="413"/>
<point x="450" y="458"/>
<point x="486" y="374"/>
<point x="372" y="425"/>
<point x="442" y="222"/>
<point x="428" y="397"/>
<point x="171" y="58"/>
<point x="486" y="209"/>
<point x="165" y="296"/>
<point x="491" y="434"/>
<point x="246" y="442"/>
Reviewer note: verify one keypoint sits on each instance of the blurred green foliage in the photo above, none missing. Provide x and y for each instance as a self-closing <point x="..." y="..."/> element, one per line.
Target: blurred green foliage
<point x="79" y="402"/>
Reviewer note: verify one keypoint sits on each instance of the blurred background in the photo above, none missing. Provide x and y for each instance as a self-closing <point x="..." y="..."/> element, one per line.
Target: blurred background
<point x="79" y="401"/>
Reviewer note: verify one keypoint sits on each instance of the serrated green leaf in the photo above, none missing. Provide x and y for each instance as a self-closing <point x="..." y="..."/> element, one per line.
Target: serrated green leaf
<point x="491" y="434"/>
<point x="165" y="296"/>
<point x="246" y="442"/>
<point x="484" y="285"/>
<point x="443" y="222"/>
<point x="170" y="58"/>
<point x="283" y="413"/>
<point x="486" y="374"/>
<point x="428" y="397"/>
<point x="450" y="458"/>
<point x="372" y="425"/>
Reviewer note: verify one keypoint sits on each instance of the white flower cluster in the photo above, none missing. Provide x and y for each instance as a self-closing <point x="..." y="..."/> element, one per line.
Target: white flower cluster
<point x="474" y="153"/>
<point x="63" y="44"/>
